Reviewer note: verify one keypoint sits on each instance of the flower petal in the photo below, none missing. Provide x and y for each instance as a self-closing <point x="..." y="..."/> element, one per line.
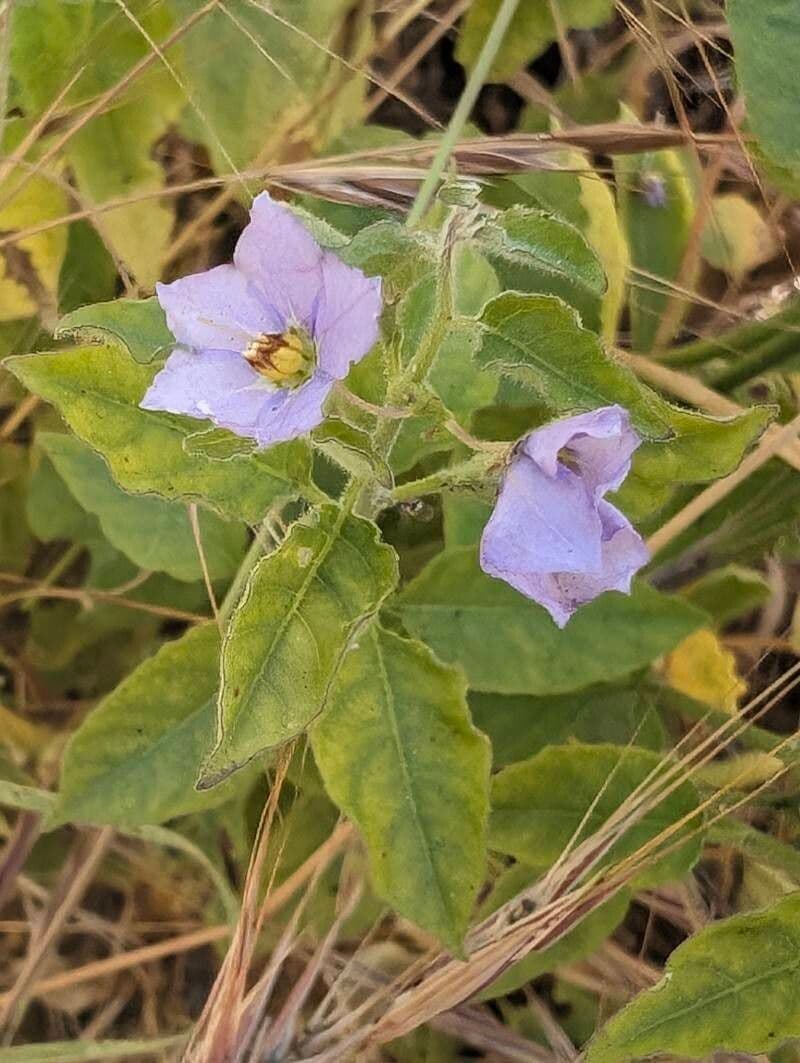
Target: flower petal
<point x="541" y="524"/>
<point x="218" y="309"/>
<point x="282" y="260"/>
<point x="346" y="322"/>
<point x="296" y="413"/>
<point x="214" y="385"/>
<point x="623" y="554"/>
<point x="601" y="442"/>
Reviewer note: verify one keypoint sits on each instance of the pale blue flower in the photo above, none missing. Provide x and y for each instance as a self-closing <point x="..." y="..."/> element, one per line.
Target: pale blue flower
<point x="552" y="534"/>
<point x="263" y="340"/>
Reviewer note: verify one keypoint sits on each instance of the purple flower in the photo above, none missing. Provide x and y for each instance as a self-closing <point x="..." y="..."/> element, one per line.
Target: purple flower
<point x="262" y="341"/>
<point x="552" y="535"/>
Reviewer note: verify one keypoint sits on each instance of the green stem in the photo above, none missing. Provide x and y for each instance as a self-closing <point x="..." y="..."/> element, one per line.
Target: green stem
<point x="473" y="473"/>
<point x="464" y="109"/>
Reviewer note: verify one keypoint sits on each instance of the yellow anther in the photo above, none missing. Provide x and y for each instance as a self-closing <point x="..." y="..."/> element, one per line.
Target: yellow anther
<point x="284" y="358"/>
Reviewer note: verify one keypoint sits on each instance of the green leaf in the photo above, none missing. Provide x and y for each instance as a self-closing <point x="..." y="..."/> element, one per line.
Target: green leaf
<point x="388" y="249"/>
<point x="218" y="444"/>
<point x="97" y="390"/>
<point x="757" y="516"/>
<point x="18" y="790"/>
<point x="53" y="512"/>
<point x="766" y="38"/>
<point x="532" y="29"/>
<point x="286" y="56"/>
<point x="520" y="726"/>
<point x="729" y="592"/>
<point x="288" y="636"/>
<point x="399" y="755"/>
<point x="545" y="243"/>
<point x="465" y="518"/>
<point x="156" y="535"/>
<point x="454" y="376"/>
<point x="538" y="341"/>
<point x="580" y="942"/>
<point x="541" y="804"/>
<point x="508" y="644"/>
<point x="731" y="987"/>
<point x="578" y="193"/>
<point x="138" y="325"/>
<point x="656" y="200"/>
<point x="351" y="448"/>
<point x="702" y="449"/>
<point x="88" y="274"/>
<point x="135" y="758"/>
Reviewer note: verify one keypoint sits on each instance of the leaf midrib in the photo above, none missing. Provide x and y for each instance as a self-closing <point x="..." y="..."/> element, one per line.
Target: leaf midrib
<point x="704" y="1002"/>
<point x="331" y="537"/>
<point x="391" y="716"/>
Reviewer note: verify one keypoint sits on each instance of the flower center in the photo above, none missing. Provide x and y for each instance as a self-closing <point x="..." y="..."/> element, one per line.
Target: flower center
<point x="285" y="358"/>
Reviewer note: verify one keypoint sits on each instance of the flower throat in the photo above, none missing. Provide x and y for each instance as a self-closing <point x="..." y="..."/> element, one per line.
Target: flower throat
<point x="285" y="358"/>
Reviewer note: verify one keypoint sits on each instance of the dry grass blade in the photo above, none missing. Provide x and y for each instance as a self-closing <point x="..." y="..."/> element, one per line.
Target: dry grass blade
<point x="16" y="851"/>
<point x="216" y="1031"/>
<point x="73" y="881"/>
<point x="86" y="595"/>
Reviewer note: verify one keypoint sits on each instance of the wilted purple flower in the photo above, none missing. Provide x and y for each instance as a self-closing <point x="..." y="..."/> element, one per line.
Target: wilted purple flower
<point x="263" y="340"/>
<point x="552" y="535"/>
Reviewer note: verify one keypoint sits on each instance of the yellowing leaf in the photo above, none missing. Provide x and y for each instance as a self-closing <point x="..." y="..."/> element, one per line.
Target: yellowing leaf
<point x="736" y="237"/>
<point x="703" y="669"/>
<point x="29" y="268"/>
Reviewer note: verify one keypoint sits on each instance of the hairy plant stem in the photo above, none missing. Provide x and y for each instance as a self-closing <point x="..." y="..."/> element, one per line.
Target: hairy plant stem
<point x="369" y="502"/>
<point x="463" y="110"/>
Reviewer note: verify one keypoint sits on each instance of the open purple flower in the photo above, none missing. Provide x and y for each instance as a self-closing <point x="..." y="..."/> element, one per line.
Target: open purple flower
<point x="552" y="535"/>
<point x="263" y="340"/>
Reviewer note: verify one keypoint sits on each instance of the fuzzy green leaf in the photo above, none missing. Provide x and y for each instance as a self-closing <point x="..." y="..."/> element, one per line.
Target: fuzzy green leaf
<point x="532" y="29"/>
<point x="732" y="987"/>
<point x="766" y="38"/>
<point x="543" y="242"/>
<point x="139" y="325"/>
<point x="135" y="758"/>
<point x="288" y="636"/>
<point x="538" y="341"/>
<point x="97" y="391"/>
<point x="508" y="644"/>
<point x="541" y="804"/>
<point x="399" y="755"/>
<point x="155" y="534"/>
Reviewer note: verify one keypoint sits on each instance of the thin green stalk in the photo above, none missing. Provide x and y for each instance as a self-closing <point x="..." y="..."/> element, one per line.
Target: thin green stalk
<point x="463" y="110"/>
